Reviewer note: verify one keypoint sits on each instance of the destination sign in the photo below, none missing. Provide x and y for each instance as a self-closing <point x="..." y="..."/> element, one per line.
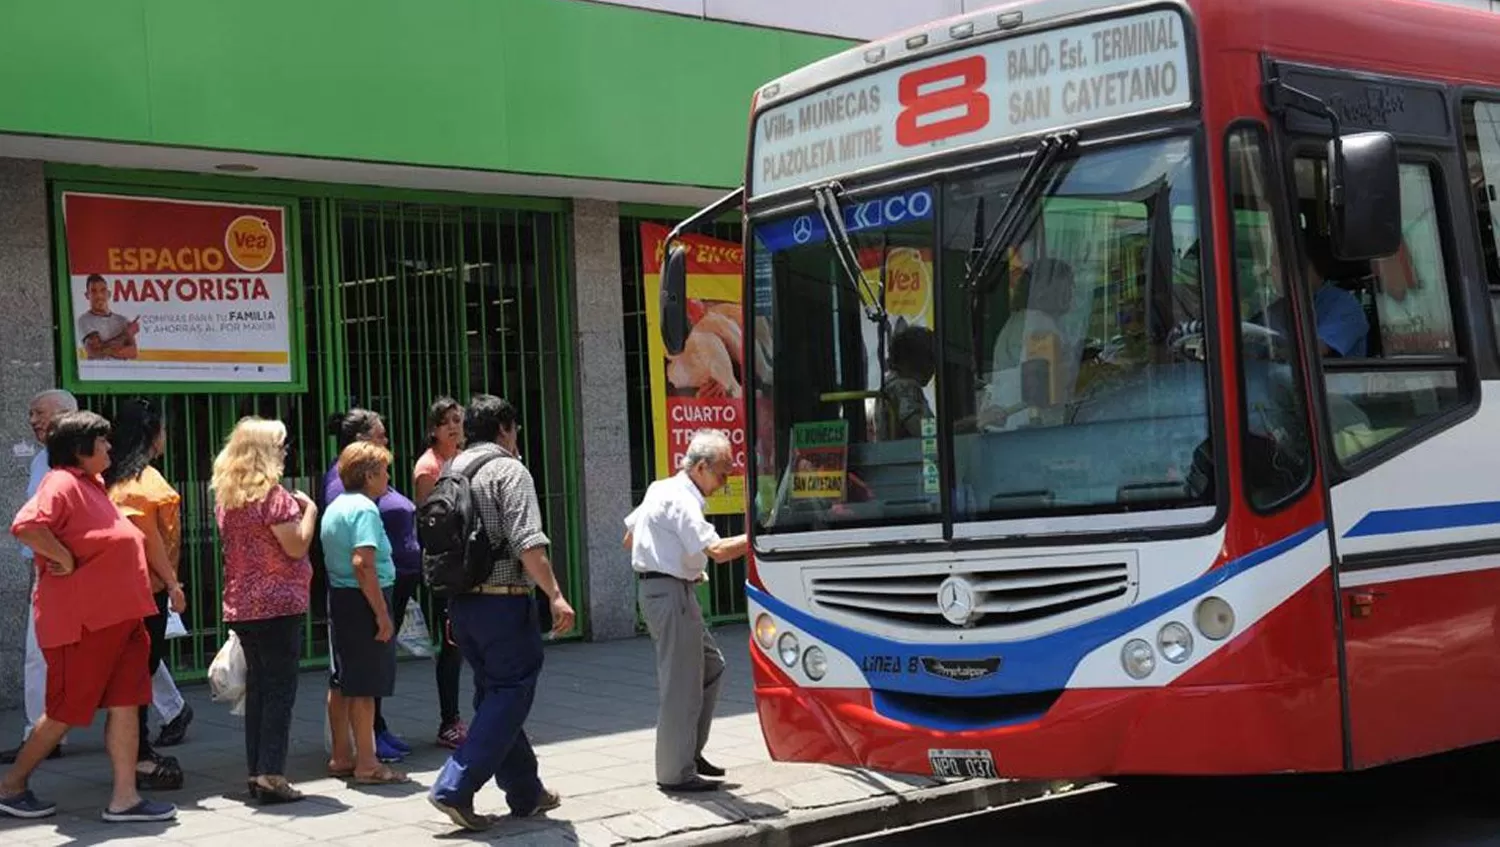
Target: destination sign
<point x="990" y="92"/>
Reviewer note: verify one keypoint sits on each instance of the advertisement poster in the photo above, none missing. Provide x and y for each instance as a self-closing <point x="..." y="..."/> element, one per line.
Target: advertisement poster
<point x="704" y="386"/>
<point x="905" y="278"/>
<point x="180" y="294"/>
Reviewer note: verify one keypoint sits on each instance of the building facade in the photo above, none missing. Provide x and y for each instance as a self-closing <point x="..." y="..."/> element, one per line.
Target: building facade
<point x="462" y="186"/>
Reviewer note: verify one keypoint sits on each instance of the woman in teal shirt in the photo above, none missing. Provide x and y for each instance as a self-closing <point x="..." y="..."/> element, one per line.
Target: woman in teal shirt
<point x="361" y="572"/>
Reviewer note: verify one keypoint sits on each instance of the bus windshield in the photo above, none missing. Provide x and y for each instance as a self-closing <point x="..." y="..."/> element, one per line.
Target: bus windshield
<point x="1071" y="374"/>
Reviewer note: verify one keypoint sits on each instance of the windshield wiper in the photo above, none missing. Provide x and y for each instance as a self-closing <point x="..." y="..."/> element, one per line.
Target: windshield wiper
<point x="843" y="247"/>
<point x="1027" y="189"/>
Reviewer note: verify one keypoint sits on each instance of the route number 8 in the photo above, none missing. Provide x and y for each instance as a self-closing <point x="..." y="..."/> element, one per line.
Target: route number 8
<point x="967" y="95"/>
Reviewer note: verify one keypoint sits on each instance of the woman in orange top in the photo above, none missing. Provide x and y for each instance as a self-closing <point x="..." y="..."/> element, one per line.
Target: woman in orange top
<point x="153" y="506"/>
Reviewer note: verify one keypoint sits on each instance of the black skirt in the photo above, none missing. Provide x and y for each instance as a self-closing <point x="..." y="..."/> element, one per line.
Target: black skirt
<point x="362" y="666"/>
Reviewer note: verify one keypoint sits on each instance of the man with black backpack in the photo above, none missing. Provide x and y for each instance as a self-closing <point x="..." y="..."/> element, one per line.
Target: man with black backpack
<point x="484" y="551"/>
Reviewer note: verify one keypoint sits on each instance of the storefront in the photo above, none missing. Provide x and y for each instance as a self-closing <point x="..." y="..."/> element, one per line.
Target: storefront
<point x="458" y="193"/>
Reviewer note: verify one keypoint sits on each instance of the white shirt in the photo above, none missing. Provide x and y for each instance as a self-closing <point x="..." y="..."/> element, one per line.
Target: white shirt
<point x="1010" y="351"/>
<point x="39" y="468"/>
<point x="669" y="532"/>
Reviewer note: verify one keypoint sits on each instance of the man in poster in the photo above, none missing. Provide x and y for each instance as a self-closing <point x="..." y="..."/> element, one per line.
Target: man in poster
<point x="106" y="335"/>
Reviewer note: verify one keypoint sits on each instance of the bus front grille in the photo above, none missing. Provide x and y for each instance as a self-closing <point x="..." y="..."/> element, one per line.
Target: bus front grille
<point x="1002" y="599"/>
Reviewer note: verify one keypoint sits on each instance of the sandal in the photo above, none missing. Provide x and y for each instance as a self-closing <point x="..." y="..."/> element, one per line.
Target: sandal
<point x="382" y="776"/>
<point x="276" y="793"/>
<point x="165" y="776"/>
<point x="341" y="773"/>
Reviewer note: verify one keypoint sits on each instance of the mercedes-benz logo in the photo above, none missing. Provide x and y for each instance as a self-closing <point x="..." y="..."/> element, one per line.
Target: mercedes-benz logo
<point x="802" y="229"/>
<point x="956" y="601"/>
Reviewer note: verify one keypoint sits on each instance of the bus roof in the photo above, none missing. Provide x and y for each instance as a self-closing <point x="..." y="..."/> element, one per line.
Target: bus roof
<point x="1419" y="38"/>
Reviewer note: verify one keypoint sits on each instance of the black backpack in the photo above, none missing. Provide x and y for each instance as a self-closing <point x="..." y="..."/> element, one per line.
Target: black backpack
<point x="456" y="551"/>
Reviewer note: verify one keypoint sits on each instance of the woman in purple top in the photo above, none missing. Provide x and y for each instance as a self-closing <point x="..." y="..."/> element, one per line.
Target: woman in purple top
<point x="399" y="516"/>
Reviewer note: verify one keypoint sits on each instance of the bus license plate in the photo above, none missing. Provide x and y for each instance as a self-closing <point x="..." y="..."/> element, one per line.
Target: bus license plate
<point x="961" y="764"/>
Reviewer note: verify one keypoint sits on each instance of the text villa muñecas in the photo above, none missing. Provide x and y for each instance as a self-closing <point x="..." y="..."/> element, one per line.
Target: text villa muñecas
<point x="824" y="113"/>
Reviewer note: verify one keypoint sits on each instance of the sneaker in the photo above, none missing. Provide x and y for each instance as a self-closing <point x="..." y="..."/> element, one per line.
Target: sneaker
<point x="142" y="812"/>
<point x="386" y="753"/>
<point x="547" y="802"/>
<point x="173" y="732"/>
<point x="463" y="817"/>
<point x="452" y="735"/>
<point x="393" y="741"/>
<point x="26" y="805"/>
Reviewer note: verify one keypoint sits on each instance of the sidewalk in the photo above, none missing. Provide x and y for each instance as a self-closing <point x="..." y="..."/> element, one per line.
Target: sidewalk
<point x="593" y="726"/>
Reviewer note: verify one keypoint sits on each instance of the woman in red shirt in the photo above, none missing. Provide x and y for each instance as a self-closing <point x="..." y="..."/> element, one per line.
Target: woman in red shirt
<point x="266" y="531"/>
<point x="92" y="595"/>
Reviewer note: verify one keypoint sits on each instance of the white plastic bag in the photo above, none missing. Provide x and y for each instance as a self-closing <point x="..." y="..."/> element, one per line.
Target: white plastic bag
<point x="413" y="636"/>
<point x="226" y="675"/>
<point x="175" y="627"/>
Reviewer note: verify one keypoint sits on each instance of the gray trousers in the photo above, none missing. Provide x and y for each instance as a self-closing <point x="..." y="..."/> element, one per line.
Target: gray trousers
<point x="689" y="668"/>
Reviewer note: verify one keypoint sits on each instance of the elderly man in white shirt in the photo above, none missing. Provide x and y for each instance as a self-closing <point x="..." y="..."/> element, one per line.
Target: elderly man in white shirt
<point x="44" y="407"/>
<point x="670" y="542"/>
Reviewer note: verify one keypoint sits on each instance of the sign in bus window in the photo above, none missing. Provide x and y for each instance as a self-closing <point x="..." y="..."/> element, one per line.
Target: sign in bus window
<point x="1412" y="297"/>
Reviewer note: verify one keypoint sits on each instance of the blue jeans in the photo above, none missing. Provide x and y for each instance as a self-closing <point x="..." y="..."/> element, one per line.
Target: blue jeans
<point x="500" y="639"/>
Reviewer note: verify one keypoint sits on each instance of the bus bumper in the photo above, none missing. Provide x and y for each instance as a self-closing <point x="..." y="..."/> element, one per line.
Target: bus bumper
<point x="1270" y="727"/>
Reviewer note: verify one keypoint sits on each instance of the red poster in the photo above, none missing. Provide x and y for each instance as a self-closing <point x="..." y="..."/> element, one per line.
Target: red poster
<point x="704" y="386"/>
<point x="177" y="291"/>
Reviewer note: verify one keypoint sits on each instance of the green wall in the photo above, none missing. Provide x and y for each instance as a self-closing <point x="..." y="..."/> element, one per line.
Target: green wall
<point x="559" y="87"/>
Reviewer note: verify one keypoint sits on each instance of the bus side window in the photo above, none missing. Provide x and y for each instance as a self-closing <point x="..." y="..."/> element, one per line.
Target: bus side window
<point x="1277" y="455"/>
<point x="1371" y="315"/>
<point x="1481" y="127"/>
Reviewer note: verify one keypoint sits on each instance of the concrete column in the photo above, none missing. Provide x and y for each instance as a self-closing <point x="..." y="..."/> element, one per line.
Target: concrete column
<point x="603" y="415"/>
<point x="26" y="367"/>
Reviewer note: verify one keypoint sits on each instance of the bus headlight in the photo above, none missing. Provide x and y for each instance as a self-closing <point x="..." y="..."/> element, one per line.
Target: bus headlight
<point x="765" y="631"/>
<point x="1214" y="618"/>
<point x="787" y="647"/>
<point x="1138" y="658"/>
<point x="1175" y="642"/>
<point x="815" y="664"/>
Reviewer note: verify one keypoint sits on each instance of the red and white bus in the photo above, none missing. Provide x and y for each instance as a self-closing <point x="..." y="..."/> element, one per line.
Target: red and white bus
<point x="1118" y="390"/>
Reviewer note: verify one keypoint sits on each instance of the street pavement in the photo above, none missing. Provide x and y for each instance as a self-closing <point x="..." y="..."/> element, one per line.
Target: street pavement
<point x="593" y="726"/>
<point x="1443" y="801"/>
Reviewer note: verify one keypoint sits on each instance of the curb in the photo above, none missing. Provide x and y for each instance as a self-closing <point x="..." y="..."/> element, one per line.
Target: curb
<point x="872" y="816"/>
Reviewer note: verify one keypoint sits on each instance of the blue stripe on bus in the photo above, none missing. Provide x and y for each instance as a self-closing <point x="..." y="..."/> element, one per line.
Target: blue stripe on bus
<point x="1033" y="665"/>
<point x="1426" y="518"/>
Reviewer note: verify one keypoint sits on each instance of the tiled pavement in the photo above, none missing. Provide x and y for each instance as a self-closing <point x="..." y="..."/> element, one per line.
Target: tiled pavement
<point x="593" y="725"/>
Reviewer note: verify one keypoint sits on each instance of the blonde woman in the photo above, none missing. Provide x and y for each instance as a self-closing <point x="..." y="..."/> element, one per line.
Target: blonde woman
<point x="266" y="532"/>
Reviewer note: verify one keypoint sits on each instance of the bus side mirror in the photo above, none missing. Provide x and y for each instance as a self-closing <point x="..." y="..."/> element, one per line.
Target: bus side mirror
<point x="674" y="316"/>
<point x="1365" y="196"/>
